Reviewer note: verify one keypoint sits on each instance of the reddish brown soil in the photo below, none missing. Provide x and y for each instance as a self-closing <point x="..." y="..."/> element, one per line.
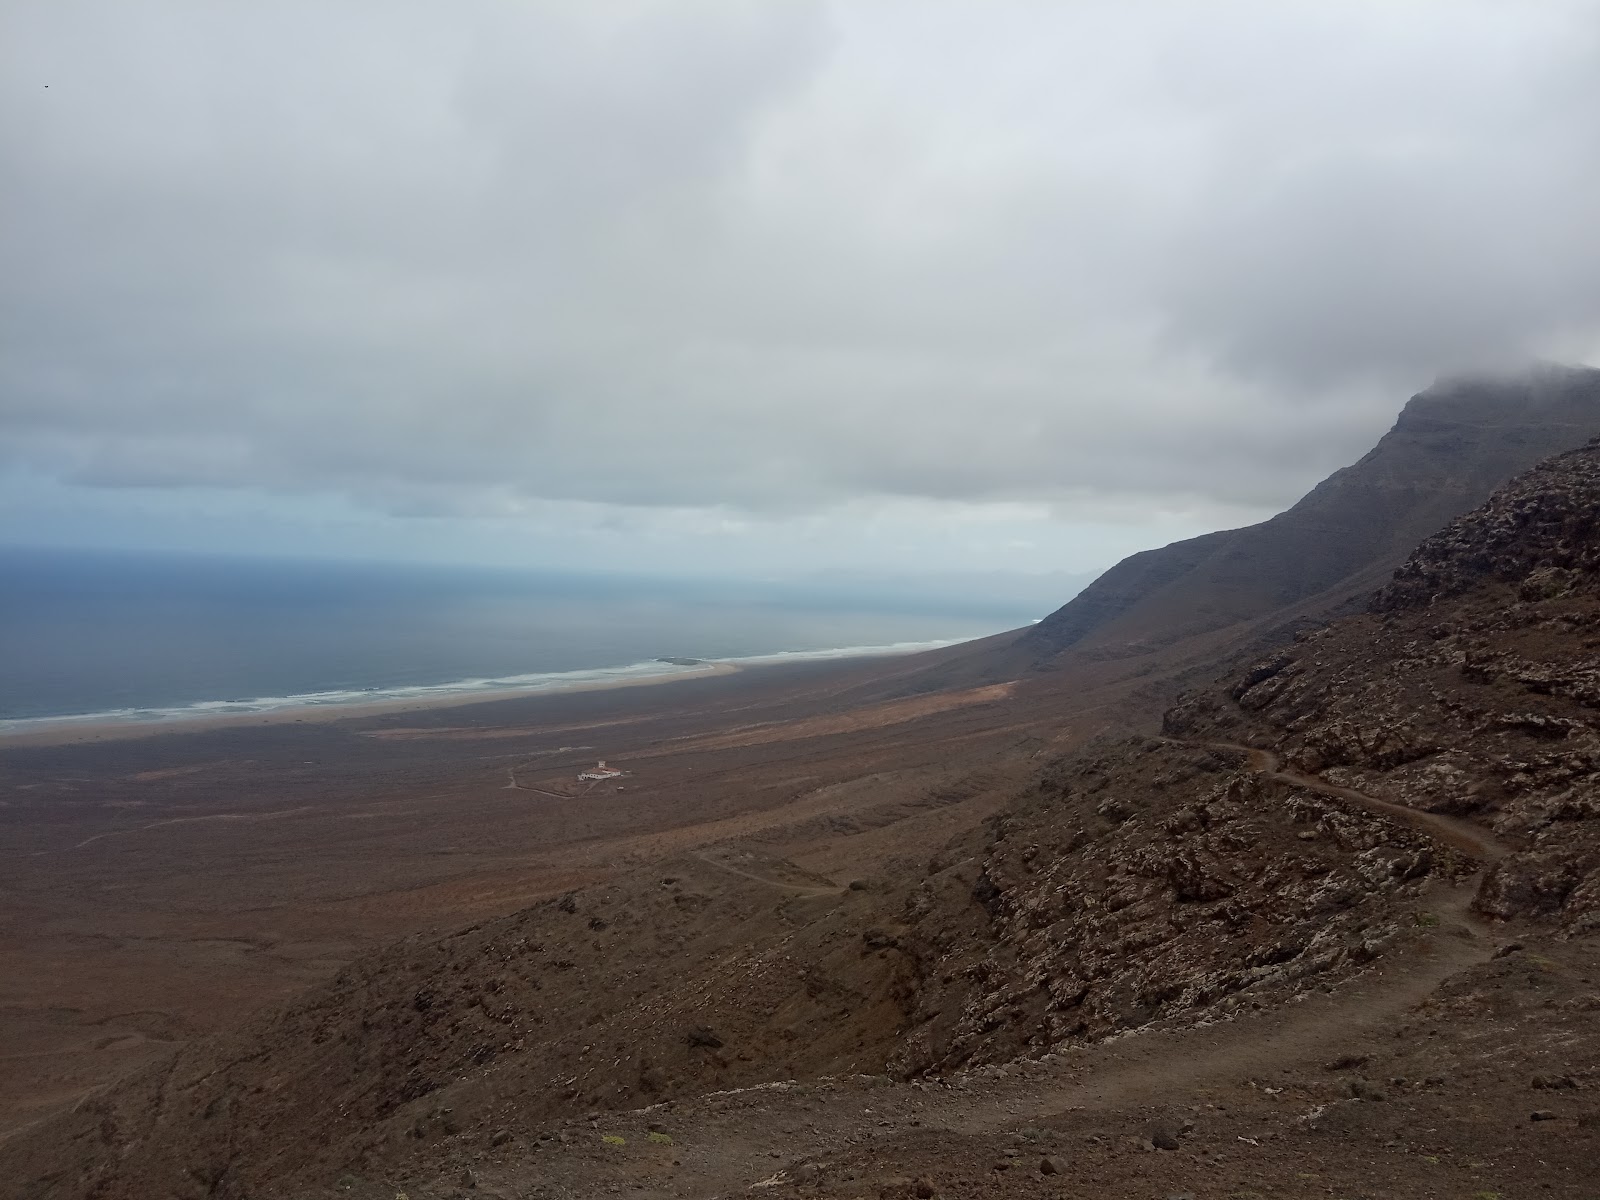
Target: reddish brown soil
<point x="163" y="887"/>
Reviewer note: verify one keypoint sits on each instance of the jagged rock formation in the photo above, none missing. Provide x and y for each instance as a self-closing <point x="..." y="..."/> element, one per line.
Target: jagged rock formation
<point x="1540" y="533"/>
<point x="1471" y="687"/>
<point x="1144" y="881"/>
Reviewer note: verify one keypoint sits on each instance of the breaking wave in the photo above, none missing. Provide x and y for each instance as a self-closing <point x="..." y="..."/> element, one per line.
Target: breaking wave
<point x="489" y="687"/>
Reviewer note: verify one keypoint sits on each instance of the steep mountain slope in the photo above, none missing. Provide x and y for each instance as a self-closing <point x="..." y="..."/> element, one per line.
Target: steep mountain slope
<point x="1450" y="733"/>
<point x="1394" y="793"/>
<point x="1450" y="448"/>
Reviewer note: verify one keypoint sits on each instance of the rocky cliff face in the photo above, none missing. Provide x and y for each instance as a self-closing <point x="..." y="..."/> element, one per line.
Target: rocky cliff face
<point x="1450" y="448"/>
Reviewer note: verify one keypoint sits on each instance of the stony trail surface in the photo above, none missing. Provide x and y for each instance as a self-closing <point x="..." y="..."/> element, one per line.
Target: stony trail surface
<point x="726" y="1144"/>
<point x="1452" y="831"/>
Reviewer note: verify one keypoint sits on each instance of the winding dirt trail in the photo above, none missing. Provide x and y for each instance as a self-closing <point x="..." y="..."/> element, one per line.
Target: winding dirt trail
<point x="796" y="888"/>
<point x="1452" y="831"/>
<point x="725" y="1144"/>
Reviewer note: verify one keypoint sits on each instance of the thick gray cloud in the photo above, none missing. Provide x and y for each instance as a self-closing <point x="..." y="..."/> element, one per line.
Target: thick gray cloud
<point x="776" y="258"/>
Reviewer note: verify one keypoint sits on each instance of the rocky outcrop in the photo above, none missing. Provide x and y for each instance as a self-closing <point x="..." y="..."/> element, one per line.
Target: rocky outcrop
<point x="1472" y="687"/>
<point x="1541" y="533"/>
<point x="1148" y="880"/>
<point x="1154" y="879"/>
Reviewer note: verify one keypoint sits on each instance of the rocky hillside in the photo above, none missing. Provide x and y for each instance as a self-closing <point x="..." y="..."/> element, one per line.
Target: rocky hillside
<point x="710" y="971"/>
<point x="1472" y="688"/>
<point x="1147" y="881"/>
<point x="1329" y="814"/>
<point x="1152" y="881"/>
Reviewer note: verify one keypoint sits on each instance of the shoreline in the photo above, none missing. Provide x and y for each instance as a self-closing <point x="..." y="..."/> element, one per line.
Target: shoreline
<point x="68" y="731"/>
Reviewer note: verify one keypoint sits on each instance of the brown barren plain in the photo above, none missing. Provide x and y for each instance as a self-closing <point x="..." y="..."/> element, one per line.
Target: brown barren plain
<point x="161" y="882"/>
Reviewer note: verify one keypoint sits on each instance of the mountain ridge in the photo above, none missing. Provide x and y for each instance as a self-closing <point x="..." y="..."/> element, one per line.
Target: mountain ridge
<point x="1450" y="447"/>
<point x="1429" y="460"/>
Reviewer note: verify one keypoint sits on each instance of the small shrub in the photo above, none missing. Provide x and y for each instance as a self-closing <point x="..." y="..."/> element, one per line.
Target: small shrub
<point x="612" y="1139"/>
<point x="661" y="1139"/>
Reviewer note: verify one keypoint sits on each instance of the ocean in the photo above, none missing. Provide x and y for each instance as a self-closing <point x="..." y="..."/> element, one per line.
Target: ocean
<point x="103" y="636"/>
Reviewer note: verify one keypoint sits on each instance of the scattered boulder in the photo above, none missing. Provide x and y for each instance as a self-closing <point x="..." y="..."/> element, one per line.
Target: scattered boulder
<point x="1553" y="1082"/>
<point x="1347" y="1062"/>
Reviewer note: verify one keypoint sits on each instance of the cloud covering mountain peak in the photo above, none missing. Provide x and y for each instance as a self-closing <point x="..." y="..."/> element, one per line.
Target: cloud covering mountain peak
<point x="776" y="259"/>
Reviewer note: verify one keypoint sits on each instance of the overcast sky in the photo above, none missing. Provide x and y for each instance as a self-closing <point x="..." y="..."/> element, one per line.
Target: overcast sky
<point x="761" y="286"/>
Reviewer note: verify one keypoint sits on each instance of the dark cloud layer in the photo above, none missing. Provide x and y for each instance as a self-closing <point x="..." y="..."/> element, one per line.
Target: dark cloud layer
<point x="776" y="257"/>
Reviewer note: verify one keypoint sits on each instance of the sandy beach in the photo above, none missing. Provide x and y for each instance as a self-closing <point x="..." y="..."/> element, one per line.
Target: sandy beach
<point x="69" y="731"/>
